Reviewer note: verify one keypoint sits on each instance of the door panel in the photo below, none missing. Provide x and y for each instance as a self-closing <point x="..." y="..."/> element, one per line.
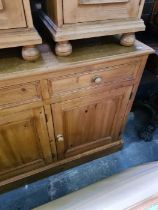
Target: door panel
<point x="85" y="123"/>
<point x="24" y="142"/>
<point x="12" y="14"/>
<point x="93" y="10"/>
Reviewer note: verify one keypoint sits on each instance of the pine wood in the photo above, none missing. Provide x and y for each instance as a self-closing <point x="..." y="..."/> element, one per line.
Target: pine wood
<point x="71" y="109"/>
<point x="18" y="37"/>
<point x="1" y="5"/>
<point x="63" y="48"/>
<point x="16" y="28"/>
<point x="24" y="143"/>
<point x="30" y="53"/>
<point x="100" y="1"/>
<point x="91" y="18"/>
<point x="89" y="122"/>
<point x="56" y="12"/>
<point x="107" y="10"/>
<point x="127" y="39"/>
<point x="19" y="94"/>
<point x="9" y="18"/>
<point x="126" y="70"/>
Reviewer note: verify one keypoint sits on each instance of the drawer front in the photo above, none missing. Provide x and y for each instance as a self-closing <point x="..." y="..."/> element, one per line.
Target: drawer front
<point x="93" y="10"/>
<point x="19" y="94"/>
<point x="103" y="76"/>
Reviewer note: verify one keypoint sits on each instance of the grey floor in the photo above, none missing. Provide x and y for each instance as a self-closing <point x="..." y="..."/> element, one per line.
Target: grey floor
<point x="135" y="152"/>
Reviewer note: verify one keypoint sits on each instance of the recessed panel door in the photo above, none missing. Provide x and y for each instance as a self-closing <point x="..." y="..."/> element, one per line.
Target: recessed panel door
<point x="12" y="14"/>
<point x="95" y="10"/>
<point x="24" y="142"/>
<point x="85" y="123"/>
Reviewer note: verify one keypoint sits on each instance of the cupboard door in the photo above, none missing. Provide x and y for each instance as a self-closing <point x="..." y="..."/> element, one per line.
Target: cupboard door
<point x="24" y="142"/>
<point x="93" y="10"/>
<point x="82" y="124"/>
<point x="12" y="14"/>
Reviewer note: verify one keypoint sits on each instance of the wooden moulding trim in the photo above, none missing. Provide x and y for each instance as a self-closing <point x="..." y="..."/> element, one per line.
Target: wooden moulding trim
<point x="101" y="1"/>
<point x="141" y="8"/>
<point x="27" y="10"/>
<point x="19" y="37"/>
<point x="59" y="166"/>
<point x="90" y="29"/>
<point x="7" y="77"/>
<point x="1" y="5"/>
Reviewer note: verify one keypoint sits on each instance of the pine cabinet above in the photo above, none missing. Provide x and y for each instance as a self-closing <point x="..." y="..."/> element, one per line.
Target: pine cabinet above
<point x="16" y="28"/>
<point x="79" y="19"/>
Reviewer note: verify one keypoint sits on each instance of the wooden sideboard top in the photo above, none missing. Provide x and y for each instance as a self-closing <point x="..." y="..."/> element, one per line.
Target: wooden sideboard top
<point x="86" y="52"/>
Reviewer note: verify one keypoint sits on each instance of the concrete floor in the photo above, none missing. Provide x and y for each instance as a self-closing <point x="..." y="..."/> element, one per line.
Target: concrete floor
<point x="135" y="152"/>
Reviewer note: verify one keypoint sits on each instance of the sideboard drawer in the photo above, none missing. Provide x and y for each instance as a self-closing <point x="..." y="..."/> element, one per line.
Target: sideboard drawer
<point x="92" y="10"/>
<point x="19" y="94"/>
<point x="102" y="76"/>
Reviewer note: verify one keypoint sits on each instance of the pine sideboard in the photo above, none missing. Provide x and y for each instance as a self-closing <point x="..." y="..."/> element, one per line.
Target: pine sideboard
<point x="62" y="111"/>
<point x="16" y="28"/>
<point x="78" y="19"/>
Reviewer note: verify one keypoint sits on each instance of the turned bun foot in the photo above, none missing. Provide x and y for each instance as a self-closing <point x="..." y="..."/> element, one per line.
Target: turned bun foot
<point x="30" y="53"/>
<point x="63" y="48"/>
<point x="127" y="39"/>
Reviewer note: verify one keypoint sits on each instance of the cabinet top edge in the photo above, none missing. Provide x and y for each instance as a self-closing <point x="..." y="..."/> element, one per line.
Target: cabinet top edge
<point x="12" y="66"/>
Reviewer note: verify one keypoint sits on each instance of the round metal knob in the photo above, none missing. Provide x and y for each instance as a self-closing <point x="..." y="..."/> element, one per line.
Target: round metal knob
<point x="97" y="80"/>
<point x="60" y="138"/>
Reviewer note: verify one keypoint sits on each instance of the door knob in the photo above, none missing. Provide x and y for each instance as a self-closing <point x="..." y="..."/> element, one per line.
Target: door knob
<point x="60" y="138"/>
<point x="97" y="79"/>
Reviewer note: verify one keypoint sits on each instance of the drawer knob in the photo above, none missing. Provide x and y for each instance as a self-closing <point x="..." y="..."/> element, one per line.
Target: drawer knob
<point x="60" y="138"/>
<point x="97" y="80"/>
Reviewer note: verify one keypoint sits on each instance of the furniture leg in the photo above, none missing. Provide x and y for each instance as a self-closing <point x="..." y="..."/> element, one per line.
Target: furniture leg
<point x="127" y="39"/>
<point x="30" y="53"/>
<point x="63" y="48"/>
